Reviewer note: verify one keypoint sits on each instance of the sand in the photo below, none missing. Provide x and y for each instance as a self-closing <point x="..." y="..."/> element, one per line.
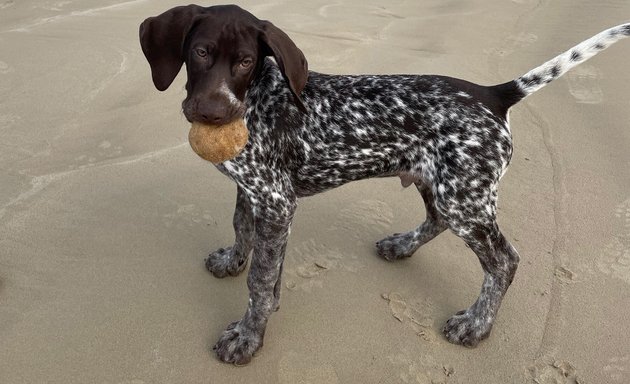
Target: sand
<point x="106" y="214"/>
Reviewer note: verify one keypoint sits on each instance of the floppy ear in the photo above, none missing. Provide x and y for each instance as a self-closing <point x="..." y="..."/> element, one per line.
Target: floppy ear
<point x="290" y="59"/>
<point x="162" y="39"/>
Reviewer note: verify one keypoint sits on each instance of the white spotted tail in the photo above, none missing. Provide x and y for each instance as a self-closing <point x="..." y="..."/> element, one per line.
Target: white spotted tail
<point x="556" y="67"/>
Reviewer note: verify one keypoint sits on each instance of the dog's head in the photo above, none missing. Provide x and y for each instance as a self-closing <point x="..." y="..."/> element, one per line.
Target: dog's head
<point x="223" y="48"/>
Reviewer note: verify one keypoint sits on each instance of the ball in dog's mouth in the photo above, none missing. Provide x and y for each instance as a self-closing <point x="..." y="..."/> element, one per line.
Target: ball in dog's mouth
<point x="218" y="143"/>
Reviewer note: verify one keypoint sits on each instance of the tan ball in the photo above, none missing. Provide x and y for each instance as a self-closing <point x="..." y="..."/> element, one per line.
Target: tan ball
<point x="218" y="143"/>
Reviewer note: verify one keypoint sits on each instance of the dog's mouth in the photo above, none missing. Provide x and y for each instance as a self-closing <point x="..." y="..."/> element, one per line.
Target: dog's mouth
<point x="213" y="114"/>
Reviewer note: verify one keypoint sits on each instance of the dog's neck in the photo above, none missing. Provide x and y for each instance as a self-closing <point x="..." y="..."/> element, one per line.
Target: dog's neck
<point x="269" y="81"/>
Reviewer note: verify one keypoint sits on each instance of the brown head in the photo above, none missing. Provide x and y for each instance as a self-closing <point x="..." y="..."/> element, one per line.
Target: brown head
<point x="223" y="48"/>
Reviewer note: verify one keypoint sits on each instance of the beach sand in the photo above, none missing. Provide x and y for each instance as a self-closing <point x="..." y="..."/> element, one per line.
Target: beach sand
<point x="106" y="214"/>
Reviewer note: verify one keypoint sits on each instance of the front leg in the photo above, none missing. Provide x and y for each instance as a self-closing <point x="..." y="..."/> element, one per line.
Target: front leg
<point x="272" y="220"/>
<point x="232" y="260"/>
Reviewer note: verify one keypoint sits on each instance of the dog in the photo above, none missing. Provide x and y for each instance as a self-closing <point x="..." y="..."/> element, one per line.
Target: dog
<point x="310" y="132"/>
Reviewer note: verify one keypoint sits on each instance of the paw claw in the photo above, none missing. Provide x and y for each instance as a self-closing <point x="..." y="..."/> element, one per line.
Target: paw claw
<point x="467" y="329"/>
<point x="224" y="261"/>
<point x="237" y="345"/>
<point x="396" y="246"/>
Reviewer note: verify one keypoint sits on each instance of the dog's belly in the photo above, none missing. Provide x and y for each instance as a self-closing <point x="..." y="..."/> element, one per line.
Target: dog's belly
<point x="325" y="174"/>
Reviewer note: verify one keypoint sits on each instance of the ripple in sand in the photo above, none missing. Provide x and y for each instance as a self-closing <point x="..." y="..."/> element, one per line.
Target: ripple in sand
<point x="584" y="84"/>
<point x="366" y="218"/>
<point x="615" y="257"/>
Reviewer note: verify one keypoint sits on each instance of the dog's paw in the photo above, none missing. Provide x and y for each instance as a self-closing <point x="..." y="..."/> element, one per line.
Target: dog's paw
<point x="224" y="261"/>
<point x="397" y="246"/>
<point x="237" y="344"/>
<point x="466" y="329"/>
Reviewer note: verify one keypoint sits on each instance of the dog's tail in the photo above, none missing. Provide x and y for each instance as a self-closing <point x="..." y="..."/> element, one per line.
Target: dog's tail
<point x="516" y="90"/>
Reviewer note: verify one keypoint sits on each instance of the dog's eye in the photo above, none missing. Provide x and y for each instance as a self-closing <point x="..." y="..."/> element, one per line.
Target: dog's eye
<point x="246" y="63"/>
<point x="201" y="52"/>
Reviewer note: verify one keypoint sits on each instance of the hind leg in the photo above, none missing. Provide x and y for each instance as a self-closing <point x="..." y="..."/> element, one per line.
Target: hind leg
<point x="401" y="245"/>
<point x="476" y="225"/>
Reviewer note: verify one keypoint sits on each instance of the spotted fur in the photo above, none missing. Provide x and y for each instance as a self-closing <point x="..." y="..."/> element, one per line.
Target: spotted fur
<point x="559" y="65"/>
<point x="448" y="137"/>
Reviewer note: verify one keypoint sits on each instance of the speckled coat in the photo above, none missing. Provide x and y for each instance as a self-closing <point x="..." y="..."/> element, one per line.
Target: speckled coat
<point x="448" y="137"/>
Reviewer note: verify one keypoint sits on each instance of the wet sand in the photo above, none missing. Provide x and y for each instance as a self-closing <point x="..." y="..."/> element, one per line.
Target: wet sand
<point x="106" y="214"/>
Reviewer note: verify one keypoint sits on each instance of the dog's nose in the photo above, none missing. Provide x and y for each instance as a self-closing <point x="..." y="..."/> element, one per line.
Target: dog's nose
<point x="212" y="113"/>
<point x="211" y="119"/>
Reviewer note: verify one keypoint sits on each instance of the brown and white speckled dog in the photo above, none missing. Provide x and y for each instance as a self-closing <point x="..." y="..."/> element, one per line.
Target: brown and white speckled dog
<point x="310" y="132"/>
